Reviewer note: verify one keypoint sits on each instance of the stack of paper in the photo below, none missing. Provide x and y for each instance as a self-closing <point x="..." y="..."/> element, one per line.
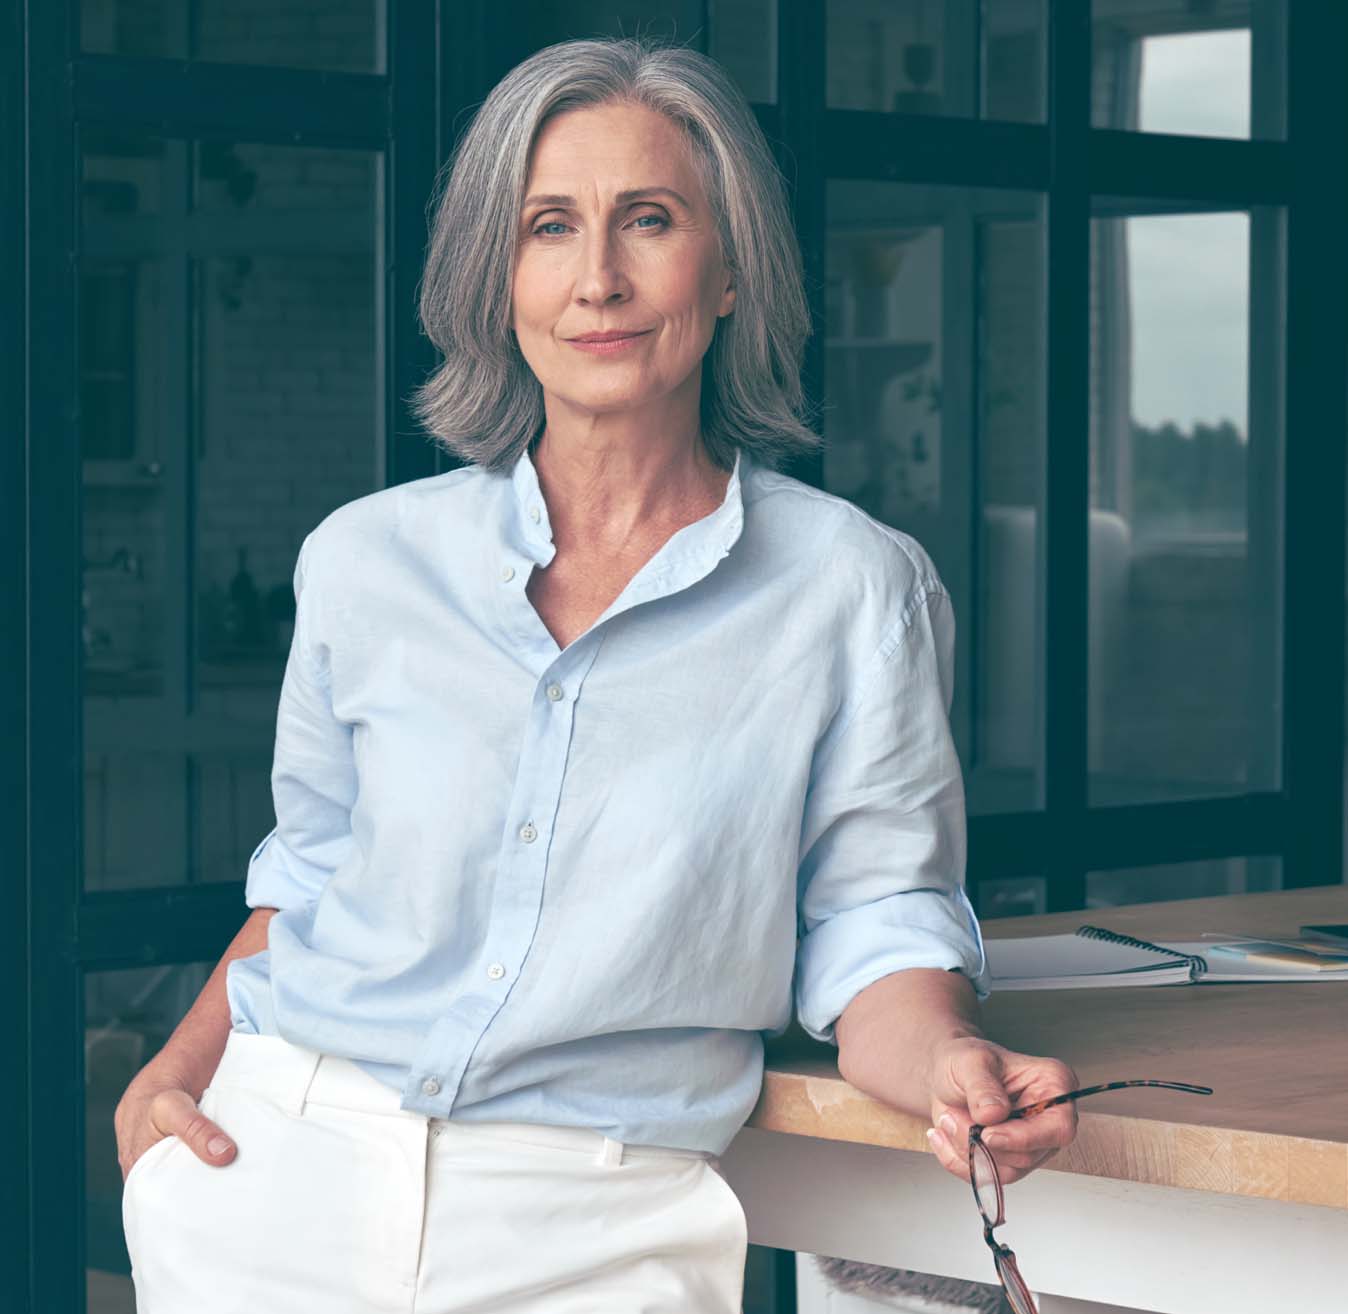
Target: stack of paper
<point x="1052" y="962"/>
<point x="1262" y="960"/>
<point x="1075" y="961"/>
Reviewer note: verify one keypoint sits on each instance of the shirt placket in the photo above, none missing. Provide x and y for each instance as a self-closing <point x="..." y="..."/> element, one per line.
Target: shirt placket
<point x="517" y="898"/>
<point x="522" y="861"/>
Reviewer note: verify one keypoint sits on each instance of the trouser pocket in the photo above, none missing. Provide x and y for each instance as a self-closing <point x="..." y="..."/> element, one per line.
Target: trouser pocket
<point x="148" y="1158"/>
<point x="293" y="1223"/>
<point x="734" y="1210"/>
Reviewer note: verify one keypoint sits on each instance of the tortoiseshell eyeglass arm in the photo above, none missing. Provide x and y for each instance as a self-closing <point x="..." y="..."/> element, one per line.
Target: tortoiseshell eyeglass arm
<point x="1030" y="1109"/>
<point x="999" y="1251"/>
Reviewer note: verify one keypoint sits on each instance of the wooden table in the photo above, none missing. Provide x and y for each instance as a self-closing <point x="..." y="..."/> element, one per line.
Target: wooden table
<point x="1233" y="1203"/>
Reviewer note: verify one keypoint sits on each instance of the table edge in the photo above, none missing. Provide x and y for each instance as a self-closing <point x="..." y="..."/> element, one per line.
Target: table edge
<point x="1226" y="1161"/>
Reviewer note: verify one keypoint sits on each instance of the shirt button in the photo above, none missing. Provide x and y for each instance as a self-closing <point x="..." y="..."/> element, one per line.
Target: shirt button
<point x="555" y="692"/>
<point x="507" y="573"/>
<point x="430" y="1086"/>
<point x="535" y="514"/>
<point x="528" y="832"/>
<point x="496" y="971"/>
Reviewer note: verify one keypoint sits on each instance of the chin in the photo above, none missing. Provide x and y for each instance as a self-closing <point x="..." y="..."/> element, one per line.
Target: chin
<point x="615" y="400"/>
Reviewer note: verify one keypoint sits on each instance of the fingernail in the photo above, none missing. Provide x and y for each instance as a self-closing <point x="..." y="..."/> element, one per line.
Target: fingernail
<point x="217" y="1145"/>
<point x="947" y="1124"/>
<point x="994" y="1140"/>
<point x="936" y="1140"/>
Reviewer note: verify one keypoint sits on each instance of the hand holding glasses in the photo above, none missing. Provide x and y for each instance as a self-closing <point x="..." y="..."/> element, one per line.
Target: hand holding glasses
<point x="988" y="1193"/>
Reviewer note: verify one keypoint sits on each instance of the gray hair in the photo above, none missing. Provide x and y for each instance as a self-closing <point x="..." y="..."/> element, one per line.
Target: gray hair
<point x="484" y="404"/>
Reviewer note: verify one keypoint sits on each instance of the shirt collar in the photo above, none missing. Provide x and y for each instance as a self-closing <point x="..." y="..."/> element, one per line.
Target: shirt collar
<point x="527" y="518"/>
<point x="687" y="556"/>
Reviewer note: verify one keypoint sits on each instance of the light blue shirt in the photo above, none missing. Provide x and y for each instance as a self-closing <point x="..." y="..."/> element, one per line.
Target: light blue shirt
<point x="579" y="886"/>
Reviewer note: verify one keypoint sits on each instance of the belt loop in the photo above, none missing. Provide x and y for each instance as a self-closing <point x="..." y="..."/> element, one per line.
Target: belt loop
<point x="611" y="1155"/>
<point x="305" y="1072"/>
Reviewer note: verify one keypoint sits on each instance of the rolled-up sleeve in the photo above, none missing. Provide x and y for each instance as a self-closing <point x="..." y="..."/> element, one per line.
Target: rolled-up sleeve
<point x="881" y="881"/>
<point x="313" y="778"/>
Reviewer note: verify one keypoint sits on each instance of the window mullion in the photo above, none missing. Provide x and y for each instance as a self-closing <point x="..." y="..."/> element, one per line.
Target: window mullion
<point x="1062" y="545"/>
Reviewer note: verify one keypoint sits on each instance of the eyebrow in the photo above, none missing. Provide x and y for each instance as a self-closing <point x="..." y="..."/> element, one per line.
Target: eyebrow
<point x="633" y="194"/>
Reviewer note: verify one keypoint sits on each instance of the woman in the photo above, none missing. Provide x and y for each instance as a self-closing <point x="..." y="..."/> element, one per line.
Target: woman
<point x="591" y="756"/>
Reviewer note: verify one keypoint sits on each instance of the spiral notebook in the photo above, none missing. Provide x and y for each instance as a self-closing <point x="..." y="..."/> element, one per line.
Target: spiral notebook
<point x="1094" y="956"/>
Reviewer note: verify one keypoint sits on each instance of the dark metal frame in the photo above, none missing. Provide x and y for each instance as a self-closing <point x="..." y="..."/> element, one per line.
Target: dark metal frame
<point x="1072" y="163"/>
<point x="15" y="970"/>
<point x="439" y="65"/>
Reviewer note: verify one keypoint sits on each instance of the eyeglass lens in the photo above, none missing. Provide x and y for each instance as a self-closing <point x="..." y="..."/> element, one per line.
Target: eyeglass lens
<point x="987" y="1185"/>
<point x="1022" y="1302"/>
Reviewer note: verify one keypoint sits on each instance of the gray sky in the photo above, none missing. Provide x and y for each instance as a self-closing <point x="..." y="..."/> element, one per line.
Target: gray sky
<point x="1190" y="305"/>
<point x="1189" y="273"/>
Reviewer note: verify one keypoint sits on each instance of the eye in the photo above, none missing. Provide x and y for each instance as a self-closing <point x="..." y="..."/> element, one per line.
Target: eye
<point x="661" y="220"/>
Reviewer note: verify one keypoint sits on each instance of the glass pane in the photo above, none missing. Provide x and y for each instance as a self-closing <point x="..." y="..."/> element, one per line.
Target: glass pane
<point x="134" y="27"/>
<point x="126" y="184"/>
<point x="128" y="1016"/>
<point x="313" y="184"/>
<point x="934" y="364"/>
<point x="230" y="395"/>
<point x="1004" y="757"/>
<point x="1183" y="880"/>
<point x="743" y="37"/>
<point x="1216" y="69"/>
<point x="517" y="31"/>
<point x="761" y="1282"/>
<point x="927" y="57"/>
<point x="1011" y="896"/>
<point x="1185" y="528"/>
<point x="1013" y="60"/>
<point x="345" y="36"/>
<point x="340" y="35"/>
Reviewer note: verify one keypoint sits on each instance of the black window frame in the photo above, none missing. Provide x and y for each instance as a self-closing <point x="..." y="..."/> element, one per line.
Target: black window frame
<point x="55" y="932"/>
<point x="1072" y="162"/>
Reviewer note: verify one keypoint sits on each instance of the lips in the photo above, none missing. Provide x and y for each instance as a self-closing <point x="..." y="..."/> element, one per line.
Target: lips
<point x="611" y="335"/>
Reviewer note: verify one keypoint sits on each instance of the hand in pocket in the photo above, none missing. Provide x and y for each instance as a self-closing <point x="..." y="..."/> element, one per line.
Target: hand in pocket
<point x="155" y="1106"/>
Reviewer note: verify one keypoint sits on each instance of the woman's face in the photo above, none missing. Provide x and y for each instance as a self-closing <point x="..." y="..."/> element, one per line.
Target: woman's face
<point x="593" y="258"/>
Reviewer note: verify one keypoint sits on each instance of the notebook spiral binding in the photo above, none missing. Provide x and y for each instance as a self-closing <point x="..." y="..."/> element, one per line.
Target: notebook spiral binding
<point x="1197" y="963"/>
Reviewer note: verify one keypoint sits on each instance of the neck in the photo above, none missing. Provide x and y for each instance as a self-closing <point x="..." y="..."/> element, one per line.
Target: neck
<point x="614" y="495"/>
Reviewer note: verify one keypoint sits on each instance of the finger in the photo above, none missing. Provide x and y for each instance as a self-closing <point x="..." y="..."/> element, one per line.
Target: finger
<point x="1045" y="1131"/>
<point x="952" y="1160"/>
<point x="1014" y="1172"/>
<point x="133" y="1143"/>
<point x="1031" y="1077"/>
<point x="1009" y="1163"/>
<point x="180" y="1116"/>
<point x="978" y="1073"/>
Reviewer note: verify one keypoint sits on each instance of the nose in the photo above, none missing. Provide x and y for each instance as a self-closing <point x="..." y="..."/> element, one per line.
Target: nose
<point x="601" y="278"/>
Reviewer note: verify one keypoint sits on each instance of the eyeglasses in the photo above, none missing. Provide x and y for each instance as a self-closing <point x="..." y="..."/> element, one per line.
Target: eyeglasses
<point x="987" y="1184"/>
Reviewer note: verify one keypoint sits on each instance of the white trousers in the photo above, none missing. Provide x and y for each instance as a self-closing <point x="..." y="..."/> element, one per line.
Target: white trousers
<point x="340" y="1202"/>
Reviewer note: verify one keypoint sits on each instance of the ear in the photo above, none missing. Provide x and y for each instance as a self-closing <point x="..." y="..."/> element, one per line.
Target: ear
<point x="727" y="301"/>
